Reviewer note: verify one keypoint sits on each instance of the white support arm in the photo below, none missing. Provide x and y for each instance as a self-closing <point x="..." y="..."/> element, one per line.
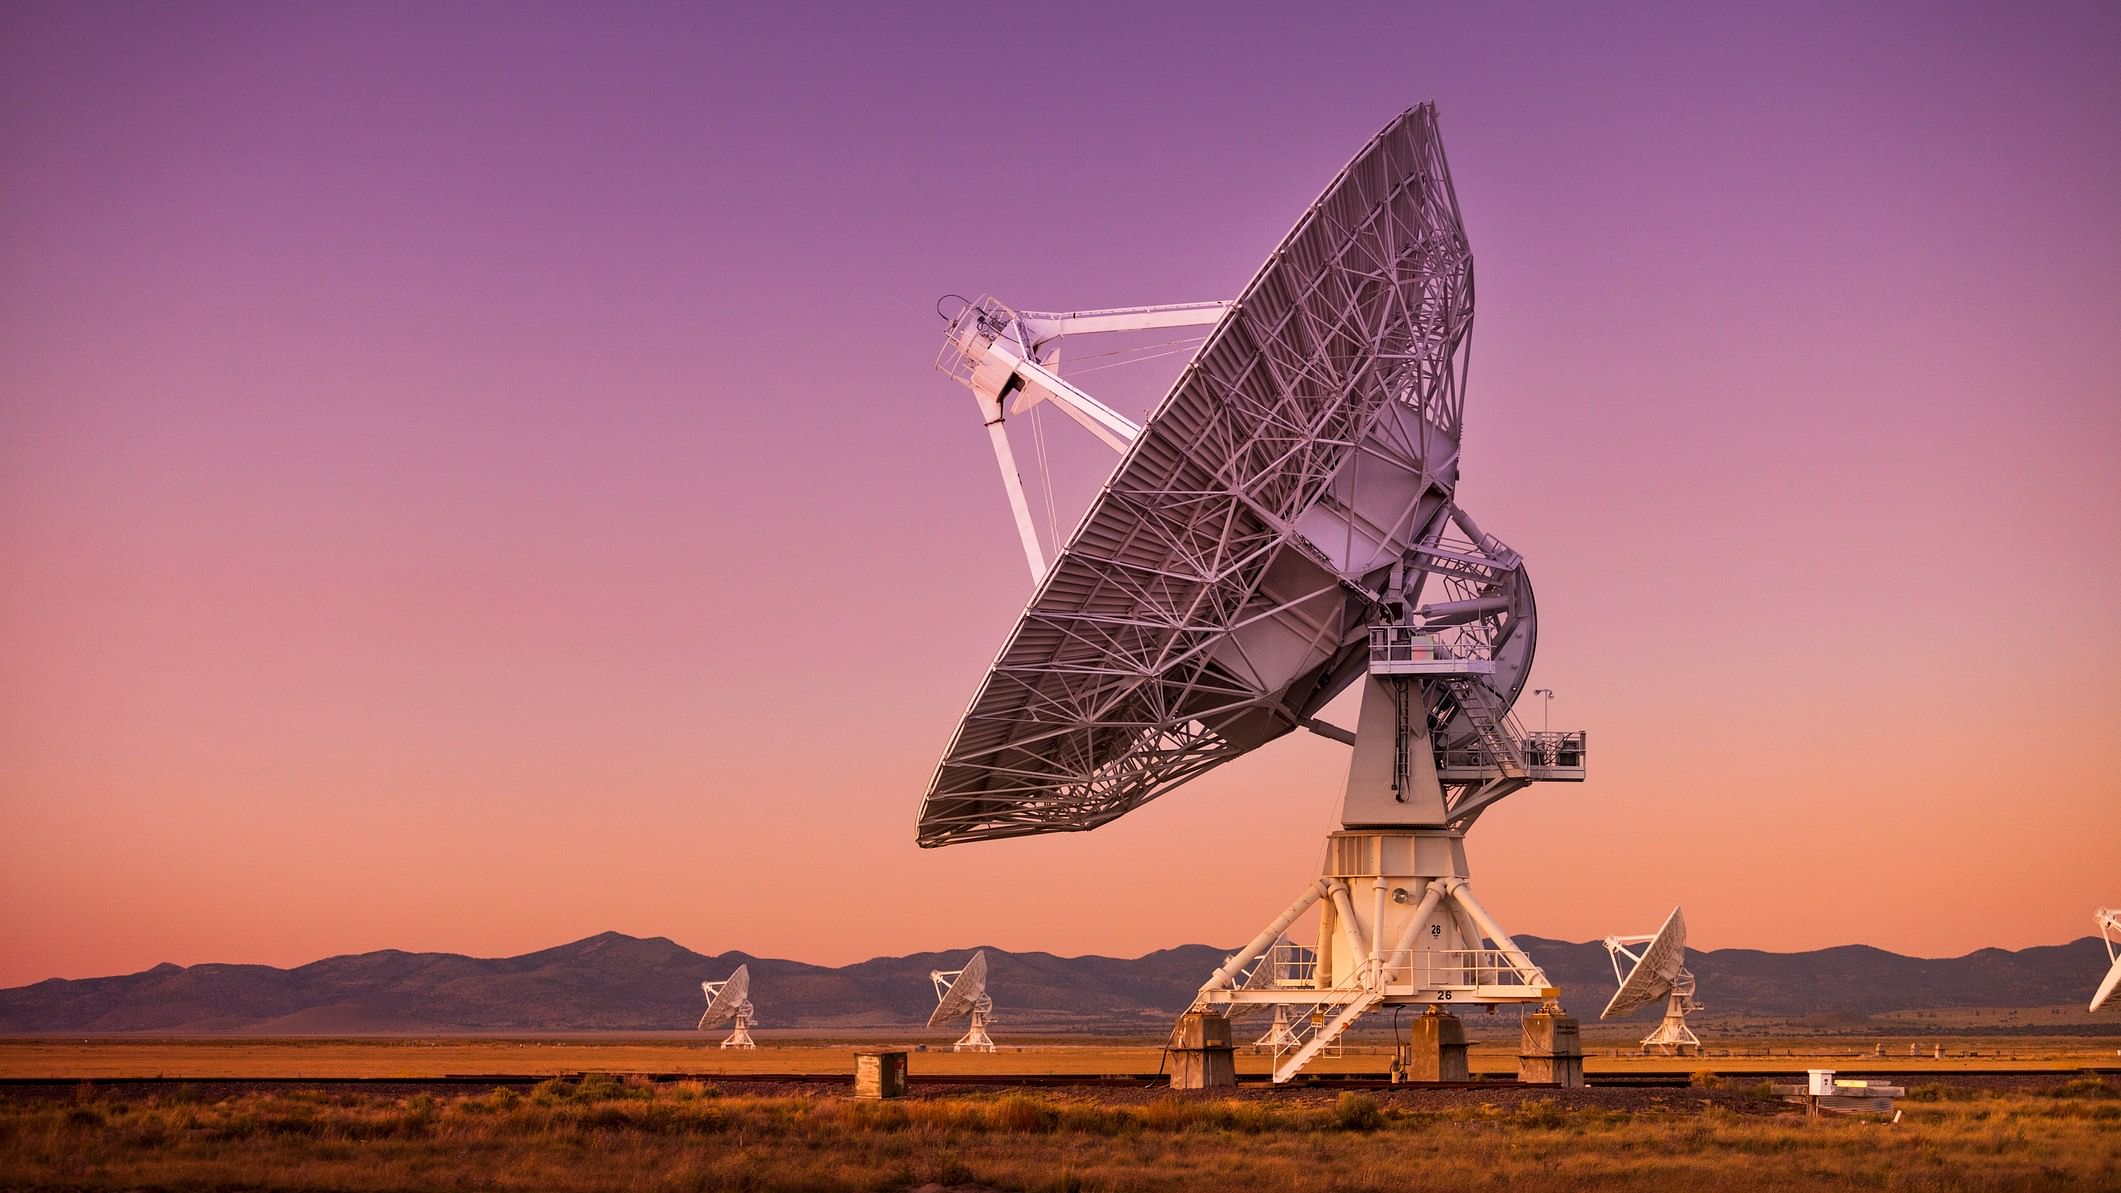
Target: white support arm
<point x="981" y="353"/>
<point x="1012" y="481"/>
<point x="1345" y="905"/>
<point x="1617" y="947"/>
<point x="1045" y="326"/>
<point x="1403" y="948"/>
<point x="1462" y="895"/>
<point x="1116" y="429"/>
<point x="1222" y="977"/>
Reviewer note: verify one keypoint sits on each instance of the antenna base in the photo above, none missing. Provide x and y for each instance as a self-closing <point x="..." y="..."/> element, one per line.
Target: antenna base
<point x="1397" y="926"/>
<point x="1673" y="1037"/>
<point x="976" y="1038"/>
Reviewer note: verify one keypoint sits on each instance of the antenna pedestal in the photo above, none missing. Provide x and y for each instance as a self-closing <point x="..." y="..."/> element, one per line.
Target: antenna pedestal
<point x="1398" y="926"/>
<point x="1399" y="917"/>
<point x="975" y="1038"/>
<point x="1397" y="922"/>
<point x="1278" y="1032"/>
<point x="1673" y="1037"/>
<point x="741" y="1036"/>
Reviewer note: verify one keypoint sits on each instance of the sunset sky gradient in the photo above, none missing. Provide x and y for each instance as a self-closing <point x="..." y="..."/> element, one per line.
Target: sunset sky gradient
<point x="472" y="475"/>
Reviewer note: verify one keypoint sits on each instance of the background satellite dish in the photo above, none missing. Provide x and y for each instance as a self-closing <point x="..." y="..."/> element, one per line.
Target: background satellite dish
<point x="1659" y="971"/>
<point x="962" y="992"/>
<point x="2109" y="920"/>
<point x="729" y="1000"/>
<point x="1656" y="968"/>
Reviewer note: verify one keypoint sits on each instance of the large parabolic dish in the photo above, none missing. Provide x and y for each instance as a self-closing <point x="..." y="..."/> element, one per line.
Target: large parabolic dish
<point x="1219" y="591"/>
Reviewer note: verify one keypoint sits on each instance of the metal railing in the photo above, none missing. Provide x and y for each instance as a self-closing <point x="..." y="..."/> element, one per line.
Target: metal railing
<point x="1413" y="644"/>
<point x="1286" y="966"/>
<point x="1421" y="969"/>
<point x="1444" y="969"/>
<point x="1541" y="751"/>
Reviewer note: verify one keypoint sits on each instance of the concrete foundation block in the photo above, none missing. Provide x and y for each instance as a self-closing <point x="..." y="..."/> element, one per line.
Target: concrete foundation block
<point x="1435" y="1049"/>
<point x="1551" y="1050"/>
<point x="1202" y="1056"/>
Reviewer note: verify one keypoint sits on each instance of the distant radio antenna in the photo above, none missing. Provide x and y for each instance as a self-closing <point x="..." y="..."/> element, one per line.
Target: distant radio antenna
<point x="2109" y="921"/>
<point x="962" y="992"/>
<point x="1658" y="971"/>
<point x="730" y="1000"/>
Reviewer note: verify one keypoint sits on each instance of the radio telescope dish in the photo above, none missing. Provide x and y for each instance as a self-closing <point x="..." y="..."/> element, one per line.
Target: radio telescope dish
<point x="1658" y="971"/>
<point x="1655" y="968"/>
<point x="730" y="1000"/>
<point x="2109" y="920"/>
<point x="1283" y="526"/>
<point x="1220" y="590"/>
<point x="962" y="992"/>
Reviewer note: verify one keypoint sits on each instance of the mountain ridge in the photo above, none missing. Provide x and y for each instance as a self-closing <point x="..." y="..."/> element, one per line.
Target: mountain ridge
<point x="614" y="982"/>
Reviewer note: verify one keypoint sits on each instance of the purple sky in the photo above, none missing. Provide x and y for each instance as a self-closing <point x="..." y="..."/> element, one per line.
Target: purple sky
<point x="472" y="476"/>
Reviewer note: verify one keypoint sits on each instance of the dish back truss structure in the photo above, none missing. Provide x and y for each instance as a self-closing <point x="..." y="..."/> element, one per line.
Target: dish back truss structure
<point x="1284" y="526"/>
<point x="1222" y="588"/>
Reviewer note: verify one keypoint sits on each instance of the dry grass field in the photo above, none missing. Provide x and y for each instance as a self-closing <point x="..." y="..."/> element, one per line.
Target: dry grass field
<point x="604" y="1133"/>
<point x="110" y="1058"/>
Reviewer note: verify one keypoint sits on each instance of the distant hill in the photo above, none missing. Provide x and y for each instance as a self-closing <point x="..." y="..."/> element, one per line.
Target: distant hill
<point x="614" y="982"/>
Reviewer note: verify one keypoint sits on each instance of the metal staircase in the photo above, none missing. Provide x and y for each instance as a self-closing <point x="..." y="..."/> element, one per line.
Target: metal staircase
<point x="1317" y="1030"/>
<point x="1489" y="723"/>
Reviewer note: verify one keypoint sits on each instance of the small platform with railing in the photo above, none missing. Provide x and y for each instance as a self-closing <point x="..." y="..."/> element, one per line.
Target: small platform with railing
<point x="1411" y="650"/>
<point x="1546" y="755"/>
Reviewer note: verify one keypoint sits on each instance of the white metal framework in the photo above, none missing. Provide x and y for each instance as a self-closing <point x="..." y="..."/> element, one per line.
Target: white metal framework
<point x="2109" y="921"/>
<point x="960" y="993"/>
<point x="1282" y="527"/>
<point x="1285" y="965"/>
<point x="1657" y="971"/>
<point x="729" y="1001"/>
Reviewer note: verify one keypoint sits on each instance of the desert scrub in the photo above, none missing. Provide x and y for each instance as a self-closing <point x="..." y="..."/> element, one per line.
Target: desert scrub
<point x="1942" y="1093"/>
<point x="1541" y="1113"/>
<point x="614" y="1135"/>
<point x="2083" y="1087"/>
<point x="1358" y="1112"/>
<point x="1022" y="1112"/>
